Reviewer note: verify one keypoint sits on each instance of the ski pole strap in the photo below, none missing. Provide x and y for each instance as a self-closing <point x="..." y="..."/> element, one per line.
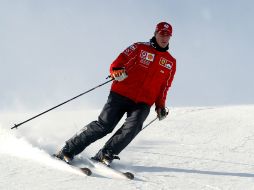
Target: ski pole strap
<point x="17" y="125"/>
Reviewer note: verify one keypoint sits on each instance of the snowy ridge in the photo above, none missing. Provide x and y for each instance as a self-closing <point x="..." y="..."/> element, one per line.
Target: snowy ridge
<point x="194" y="148"/>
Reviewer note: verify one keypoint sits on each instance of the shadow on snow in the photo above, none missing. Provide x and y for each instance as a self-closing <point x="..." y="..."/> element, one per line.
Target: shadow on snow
<point x="178" y="170"/>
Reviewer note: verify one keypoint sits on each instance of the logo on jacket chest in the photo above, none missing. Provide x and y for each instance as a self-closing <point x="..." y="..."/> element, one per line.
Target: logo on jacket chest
<point x="165" y="63"/>
<point x="130" y="49"/>
<point x="146" y="57"/>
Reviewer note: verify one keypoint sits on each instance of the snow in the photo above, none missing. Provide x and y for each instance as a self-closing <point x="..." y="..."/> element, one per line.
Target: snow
<point x="208" y="148"/>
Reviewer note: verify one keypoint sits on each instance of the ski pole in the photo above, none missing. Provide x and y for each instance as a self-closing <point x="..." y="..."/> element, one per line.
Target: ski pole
<point x="149" y="123"/>
<point x="17" y="125"/>
<point x="167" y="111"/>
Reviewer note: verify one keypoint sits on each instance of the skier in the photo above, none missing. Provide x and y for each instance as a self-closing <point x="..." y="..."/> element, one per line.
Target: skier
<point x="142" y="76"/>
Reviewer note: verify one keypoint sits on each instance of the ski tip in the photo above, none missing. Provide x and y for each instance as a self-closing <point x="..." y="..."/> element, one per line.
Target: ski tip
<point x="129" y="175"/>
<point x="86" y="171"/>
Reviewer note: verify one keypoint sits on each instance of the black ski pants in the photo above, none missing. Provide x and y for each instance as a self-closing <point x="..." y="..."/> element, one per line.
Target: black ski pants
<point x="110" y="115"/>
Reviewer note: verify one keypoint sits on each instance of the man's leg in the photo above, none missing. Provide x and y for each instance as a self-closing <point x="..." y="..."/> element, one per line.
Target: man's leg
<point x="132" y="126"/>
<point x="107" y="120"/>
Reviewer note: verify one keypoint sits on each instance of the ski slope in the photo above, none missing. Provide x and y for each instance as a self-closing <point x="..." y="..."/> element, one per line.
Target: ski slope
<point x="195" y="148"/>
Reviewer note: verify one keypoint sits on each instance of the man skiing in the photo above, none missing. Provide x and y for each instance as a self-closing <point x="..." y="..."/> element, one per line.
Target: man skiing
<point x="142" y="75"/>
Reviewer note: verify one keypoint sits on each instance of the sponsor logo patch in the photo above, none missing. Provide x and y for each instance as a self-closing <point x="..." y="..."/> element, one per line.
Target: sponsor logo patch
<point x="146" y="57"/>
<point x="165" y="63"/>
<point x="150" y="57"/>
<point x="166" y="26"/>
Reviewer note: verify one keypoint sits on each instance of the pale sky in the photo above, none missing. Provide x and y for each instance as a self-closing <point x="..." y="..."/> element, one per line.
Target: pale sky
<point x="53" y="50"/>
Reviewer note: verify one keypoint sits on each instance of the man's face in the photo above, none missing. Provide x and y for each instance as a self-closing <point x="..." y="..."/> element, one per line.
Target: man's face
<point x="162" y="39"/>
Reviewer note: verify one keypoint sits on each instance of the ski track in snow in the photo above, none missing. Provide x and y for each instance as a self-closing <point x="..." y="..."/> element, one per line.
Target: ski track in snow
<point x="208" y="148"/>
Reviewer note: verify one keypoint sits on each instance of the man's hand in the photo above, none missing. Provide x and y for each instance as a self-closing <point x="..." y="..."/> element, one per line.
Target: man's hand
<point x="119" y="74"/>
<point x="162" y="113"/>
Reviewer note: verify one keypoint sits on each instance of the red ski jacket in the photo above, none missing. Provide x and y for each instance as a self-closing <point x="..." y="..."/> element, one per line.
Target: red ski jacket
<point x="150" y="74"/>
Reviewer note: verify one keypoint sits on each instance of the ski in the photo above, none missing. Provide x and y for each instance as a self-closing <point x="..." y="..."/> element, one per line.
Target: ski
<point x="84" y="170"/>
<point x="129" y="175"/>
<point x="102" y="166"/>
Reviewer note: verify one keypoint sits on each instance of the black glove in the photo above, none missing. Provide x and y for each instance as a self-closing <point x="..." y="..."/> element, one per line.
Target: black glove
<point x="161" y="113"/>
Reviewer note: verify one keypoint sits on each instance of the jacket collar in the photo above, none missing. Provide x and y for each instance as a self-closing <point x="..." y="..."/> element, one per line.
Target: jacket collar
<point x="155" y="45"/>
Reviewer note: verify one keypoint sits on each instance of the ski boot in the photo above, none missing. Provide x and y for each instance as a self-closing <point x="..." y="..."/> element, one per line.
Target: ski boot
<point x="105" y="156"/>
<point x="63" y="156"/>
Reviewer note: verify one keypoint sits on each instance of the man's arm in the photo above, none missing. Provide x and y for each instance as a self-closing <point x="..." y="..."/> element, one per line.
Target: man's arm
<point x="124" y="59"/>
<point x="160" y="102"/>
